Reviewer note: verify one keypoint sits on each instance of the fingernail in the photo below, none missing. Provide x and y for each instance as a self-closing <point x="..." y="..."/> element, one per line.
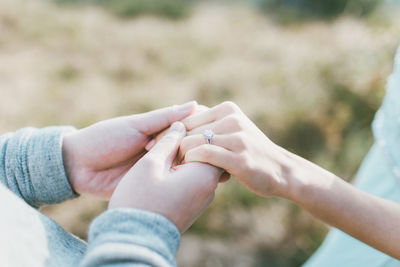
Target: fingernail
<point x="187" y="107"/>
<point x="178" y="127"/>
<point x="150" y="144"/>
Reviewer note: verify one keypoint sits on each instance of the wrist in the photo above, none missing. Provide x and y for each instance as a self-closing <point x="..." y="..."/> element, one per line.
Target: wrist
<point x="303" y="179"/>
<point x="286" y="166"/>
<point x="68" y="159"/>
<point x="271" y="179"/>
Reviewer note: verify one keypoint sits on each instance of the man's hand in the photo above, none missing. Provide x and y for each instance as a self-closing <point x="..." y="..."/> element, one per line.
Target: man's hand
<point x="97" y="157"/>
<point x="179" y="193"/>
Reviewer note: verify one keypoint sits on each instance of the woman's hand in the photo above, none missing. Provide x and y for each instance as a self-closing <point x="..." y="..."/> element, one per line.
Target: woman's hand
<point x="179" y="193"/>
<point x="199" y="109"/>
<point x="97" y="157"/>
<point x="238" y="146"/>
<point x="266" y="169"/>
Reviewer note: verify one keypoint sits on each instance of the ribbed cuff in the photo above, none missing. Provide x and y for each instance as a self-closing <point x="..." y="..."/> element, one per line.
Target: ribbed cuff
<point x="145" y="235"/>
<point x="43" y="160"/>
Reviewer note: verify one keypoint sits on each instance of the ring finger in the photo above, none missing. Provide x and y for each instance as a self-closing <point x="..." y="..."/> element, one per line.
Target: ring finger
<point x="196" y="140"/>
<point x="223" y="126"/>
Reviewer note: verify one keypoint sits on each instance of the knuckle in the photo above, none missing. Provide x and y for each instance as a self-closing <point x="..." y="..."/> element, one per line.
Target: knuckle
<point x="226" y="108"/>
<point x="239" y="139"/>
<point x="233" y="121"/>
<point x="230" y="106"/>
<point x="175" y="109"/>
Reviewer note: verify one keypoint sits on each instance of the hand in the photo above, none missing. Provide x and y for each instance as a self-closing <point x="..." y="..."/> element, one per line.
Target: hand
<point x="238" y="146"/>
<point x="180" y="193"/>
<point x="198" y="109"/>
<point x="225" y="176"/>
<point x="97" y="157"/>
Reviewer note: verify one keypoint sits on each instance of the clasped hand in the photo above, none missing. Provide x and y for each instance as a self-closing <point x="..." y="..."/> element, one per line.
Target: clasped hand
<point x="110" y="159"/>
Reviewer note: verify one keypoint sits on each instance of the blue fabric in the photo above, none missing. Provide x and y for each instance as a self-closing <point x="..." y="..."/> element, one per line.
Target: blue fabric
<point x="32" y="174"/>
<point x="379" y="175"/>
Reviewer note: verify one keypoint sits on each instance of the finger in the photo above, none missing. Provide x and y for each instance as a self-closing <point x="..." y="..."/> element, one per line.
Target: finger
<point x="199" y="119"/>
<point x="210" y="115"/>
<point x="204" y="175"/>
<point x="199" y="108"/>
<point x="214" y="155"/>
<point x="192" y="141"/>
<point x="152" y="122"/>
<point x="155" y="140"/>
<point x="228" y="124"/>
<point x="165" y="150"/>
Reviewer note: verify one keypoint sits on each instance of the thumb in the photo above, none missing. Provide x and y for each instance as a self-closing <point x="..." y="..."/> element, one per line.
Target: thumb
<point x="167" y="148"/>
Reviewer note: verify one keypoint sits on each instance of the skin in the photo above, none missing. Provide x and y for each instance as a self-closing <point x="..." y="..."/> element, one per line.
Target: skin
<point x="180" y="158"/>
<point x="97" y="157"/>
<point x="179" y="193"/>
<point x="109" y="160"/>
<point x="266" y="169"/>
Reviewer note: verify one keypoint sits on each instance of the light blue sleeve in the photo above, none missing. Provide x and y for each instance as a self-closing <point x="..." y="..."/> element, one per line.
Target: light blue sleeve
<point x="131" y="237"/>
<point x="386" y="125"/>
<point x="31" y="165"/>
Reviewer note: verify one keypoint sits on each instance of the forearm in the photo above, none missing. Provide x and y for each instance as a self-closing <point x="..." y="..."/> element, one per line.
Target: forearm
<point x="268" y="170"/>
<point x="370" y="219"/>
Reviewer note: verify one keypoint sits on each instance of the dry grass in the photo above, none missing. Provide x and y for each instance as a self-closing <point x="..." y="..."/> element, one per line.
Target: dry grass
<point x="78" y="66"/>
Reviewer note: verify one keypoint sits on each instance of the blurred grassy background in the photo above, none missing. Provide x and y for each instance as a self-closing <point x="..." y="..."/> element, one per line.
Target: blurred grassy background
<point x="311" y="76"/>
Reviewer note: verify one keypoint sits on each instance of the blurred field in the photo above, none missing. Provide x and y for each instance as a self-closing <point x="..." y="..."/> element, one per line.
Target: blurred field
<point x="313" y="87"/>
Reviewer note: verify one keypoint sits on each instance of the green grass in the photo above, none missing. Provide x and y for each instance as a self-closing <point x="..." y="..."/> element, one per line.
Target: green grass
<point x="173" y="9"/>
<point x="294" y="11"/>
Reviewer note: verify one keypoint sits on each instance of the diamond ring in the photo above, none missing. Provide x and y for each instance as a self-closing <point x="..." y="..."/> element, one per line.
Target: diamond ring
<point x="208" y="135"/>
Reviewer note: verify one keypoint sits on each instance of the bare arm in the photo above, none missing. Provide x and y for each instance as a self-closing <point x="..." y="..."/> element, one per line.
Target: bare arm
<point x="266" y="169"/>
<point x="370" y="219"/>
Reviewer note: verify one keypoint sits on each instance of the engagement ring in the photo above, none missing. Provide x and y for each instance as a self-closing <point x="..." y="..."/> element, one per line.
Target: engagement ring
<point x="208" y="135"/>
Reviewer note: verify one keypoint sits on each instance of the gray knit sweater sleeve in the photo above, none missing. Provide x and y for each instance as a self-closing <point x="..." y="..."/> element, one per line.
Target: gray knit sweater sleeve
<point x="31" y="165"/>
<point x="131" y="237"/>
